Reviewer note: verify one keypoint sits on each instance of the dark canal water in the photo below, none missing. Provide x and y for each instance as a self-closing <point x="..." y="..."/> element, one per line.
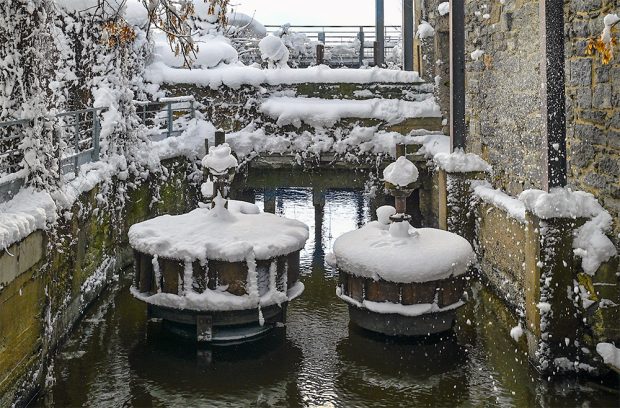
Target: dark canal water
<point x="116" y="358"/>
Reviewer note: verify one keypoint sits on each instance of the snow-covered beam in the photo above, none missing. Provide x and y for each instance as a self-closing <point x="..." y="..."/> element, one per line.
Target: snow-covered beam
<point x="380" y="32"/>
<point x="553" y="98"/>
<point x="457" y="74"/>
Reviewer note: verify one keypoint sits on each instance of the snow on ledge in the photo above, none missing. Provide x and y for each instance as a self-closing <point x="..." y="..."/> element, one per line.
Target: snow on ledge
<point x="27" y="212"/>
<point x="610" y="354"/>
<point x="236" y="75"/>
<point x="560" y="203"/>
<point x="319" y="112"/>
<point x="461" y="162"/>
<point x="514" y="207"/>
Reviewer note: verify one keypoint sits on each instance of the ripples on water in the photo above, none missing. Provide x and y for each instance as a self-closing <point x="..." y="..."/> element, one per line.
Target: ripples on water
<point x="116" y="357"/>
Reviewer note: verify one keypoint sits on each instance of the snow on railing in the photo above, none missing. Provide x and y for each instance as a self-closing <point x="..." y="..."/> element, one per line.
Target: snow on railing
<point x="339" y="39"/>
<point x="161" y="115"/>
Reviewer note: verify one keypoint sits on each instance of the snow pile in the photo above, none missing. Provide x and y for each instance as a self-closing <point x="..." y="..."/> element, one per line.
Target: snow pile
<point x="433" y="144"/>
<point x="513" y="207"/>
<point x="461" y="162"/>
<point x="27" y="212"/>
<point x="609" y="21"/>
<point x="212" y="51"/>
<point x="401" y="173"/>
<point x="326" y="112"/>
<point x="245" y="24"/>
<point x="560" y="203"/>
<point x="236" y="75"/>
<point x="476" y="54"/>
<point x="610" y="354"/>
<point x="592" y="245"/>
<point x="425" y="30"/>
<point x="443" y="8"/>
<point x="204" y="233"/>
<point x="190" y="143"/>
<point x="384" y="213"/>
<point x="426" y="254"/>
<point x="516" y="332"/>
<point x="219" y="160"/>
<point x="274" y="52"/>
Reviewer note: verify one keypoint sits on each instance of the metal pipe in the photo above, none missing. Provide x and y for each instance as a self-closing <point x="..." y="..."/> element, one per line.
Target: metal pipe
<point x="457" y="74"/>
<point x="380" y="33"/>
<point x="408" y="35"/>
<point x="553" y="97"/>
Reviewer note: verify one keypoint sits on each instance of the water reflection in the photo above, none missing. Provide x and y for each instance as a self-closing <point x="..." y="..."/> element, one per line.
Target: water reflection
<point x="116" y="358"/>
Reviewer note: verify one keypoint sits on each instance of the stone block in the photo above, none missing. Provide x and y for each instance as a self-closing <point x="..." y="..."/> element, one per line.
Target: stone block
<point x="601" y="96"/>
<point x="580" y="72"/>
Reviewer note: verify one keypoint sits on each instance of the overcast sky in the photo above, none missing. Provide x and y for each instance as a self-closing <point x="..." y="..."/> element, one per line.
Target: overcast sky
<point x="319" y="12"/>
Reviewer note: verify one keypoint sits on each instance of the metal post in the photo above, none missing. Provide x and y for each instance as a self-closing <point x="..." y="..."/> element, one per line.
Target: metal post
<point x="360" y="37"/>
<point x="96" y="135"/>
<point x="322" y="37"/>
<point x="320" y="54"/>
<point x="400" y="202"/>
<point x="220" y="137"/>
<point x="457" y="74"/>
<point x="553" y="98"/>
<point x="169" y="119"/>
<point x="408" y="35"/>
<point x="192" y="109"/>
<point x="76" y="144"/>
<point x="380" y="33"/>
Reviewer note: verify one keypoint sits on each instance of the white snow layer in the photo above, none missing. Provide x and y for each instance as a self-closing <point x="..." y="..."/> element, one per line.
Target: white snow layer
<point x="326" y="112"/>
<point x="219" y="160"/>
<point x="610" y="354"/>
<point x="212" y="51"/>
<point x="401" y="173"/>
<point x="273" y="50"/>
<point x="27" y="212"/>
<point x="514" y="207"/>
<point x="461" y="162"/>
<point x="443" y="8"/>
<point x="246" y="22"/>
<point x="609" y="20"/>
<point x="236" y="75"/>
<point x="425" y="30"/>
<point x="222" y="235"/>
<point x="561" y="202"/>
<point x="475" y="55"/>
<point x="425" y="255"/>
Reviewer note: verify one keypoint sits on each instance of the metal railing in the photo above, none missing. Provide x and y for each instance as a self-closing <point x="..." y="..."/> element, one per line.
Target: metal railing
<point x="78" y="136"/>
<point x="81" y="131"/>
<point x="160" y="116"/>
<point x="335" y="38"/>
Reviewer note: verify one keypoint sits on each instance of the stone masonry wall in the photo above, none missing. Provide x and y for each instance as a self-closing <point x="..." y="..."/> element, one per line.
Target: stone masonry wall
<point x="503" y="99"/>
<point x="593" y="107"/>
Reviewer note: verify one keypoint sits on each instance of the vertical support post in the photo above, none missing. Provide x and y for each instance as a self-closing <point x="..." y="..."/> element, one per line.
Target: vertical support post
<point x="76" y="144"/>
<point x="379" y="33"/>
<point x="269" y="200"/>
<point x="457" y="74"/>
<point x="553" y="97"/>
<point x="192" y="109"/>
<point x="321" y="36"/>
<point x="360" y="37"/>
<point x="400" y="202"/>
<point x="408" y="35"/>
<point x="169" y="119"/>
<point x="320" y="54"/>
<point x="96" y="135"/>
<point x="220" y="137"/>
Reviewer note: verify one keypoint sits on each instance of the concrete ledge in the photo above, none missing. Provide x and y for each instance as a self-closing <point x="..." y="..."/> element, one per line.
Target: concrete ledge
<point x="21" y="256"/>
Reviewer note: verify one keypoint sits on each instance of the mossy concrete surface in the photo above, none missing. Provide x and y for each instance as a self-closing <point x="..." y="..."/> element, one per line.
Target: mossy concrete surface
<point x="50" y="277"/>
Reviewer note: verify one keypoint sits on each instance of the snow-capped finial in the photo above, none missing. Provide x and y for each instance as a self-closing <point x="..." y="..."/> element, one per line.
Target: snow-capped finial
<point x="401" y="173"/>
<point x="219" y="160"/>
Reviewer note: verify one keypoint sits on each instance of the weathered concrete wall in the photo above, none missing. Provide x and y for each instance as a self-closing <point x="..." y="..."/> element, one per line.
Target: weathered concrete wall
<point x="54" y="275"/>
<point x="593" y="107"/>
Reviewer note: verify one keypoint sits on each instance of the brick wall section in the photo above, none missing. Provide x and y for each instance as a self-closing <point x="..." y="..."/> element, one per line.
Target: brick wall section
<point x="503" y="99"/>
<point x="593" y="107"/>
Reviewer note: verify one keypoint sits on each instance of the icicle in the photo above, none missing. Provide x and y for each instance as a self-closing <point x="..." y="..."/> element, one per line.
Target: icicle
<point x="188" y="277"/>
<point x="157" y="273"/>
<point x="273" y="272"/>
